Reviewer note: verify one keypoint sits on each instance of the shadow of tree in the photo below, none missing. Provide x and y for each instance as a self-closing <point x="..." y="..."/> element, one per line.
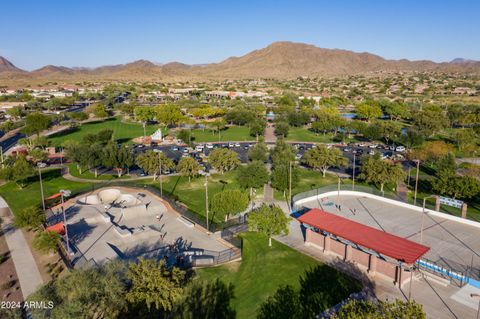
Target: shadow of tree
<point x="206" y="300"/>
<point x="79" y="231"/>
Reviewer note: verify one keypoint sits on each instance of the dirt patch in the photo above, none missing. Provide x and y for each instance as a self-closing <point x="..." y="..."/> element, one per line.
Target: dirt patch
<point x="9" y="285"/>
<point x="50" y="265"/>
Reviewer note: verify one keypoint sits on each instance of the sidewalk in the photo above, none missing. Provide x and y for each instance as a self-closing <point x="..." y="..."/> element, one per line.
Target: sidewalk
<point x="25" y="265"/>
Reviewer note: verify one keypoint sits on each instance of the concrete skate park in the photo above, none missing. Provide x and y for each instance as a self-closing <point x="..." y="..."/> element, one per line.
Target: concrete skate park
<point x="128" y="223"/>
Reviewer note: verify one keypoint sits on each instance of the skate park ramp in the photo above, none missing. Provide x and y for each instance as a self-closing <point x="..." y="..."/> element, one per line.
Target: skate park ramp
<point x="110" y="196"/>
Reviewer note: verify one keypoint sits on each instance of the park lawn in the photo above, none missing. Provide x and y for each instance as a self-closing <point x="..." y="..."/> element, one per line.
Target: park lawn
<point x="309" y="179"/>
<point x="302" y="134"/>
<point x="192" y="194"/>
<point x="261" y="272"/>
<point x="231" y="133"/>
<point x="30" y="195"/>
<point x="73" y="170"/>
<point x="122" y="132"/>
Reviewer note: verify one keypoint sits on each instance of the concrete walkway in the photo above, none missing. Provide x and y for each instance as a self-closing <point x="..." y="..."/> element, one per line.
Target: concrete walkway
<point x="25" y="265"/>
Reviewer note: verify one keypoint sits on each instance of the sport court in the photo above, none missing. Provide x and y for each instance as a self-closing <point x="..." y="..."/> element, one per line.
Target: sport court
<point x="453" y="245"/>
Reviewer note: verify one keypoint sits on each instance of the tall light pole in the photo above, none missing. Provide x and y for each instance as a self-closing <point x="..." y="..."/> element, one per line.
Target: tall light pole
<point x="160" y="173"/>
<point x="353" y="174"/>
<point x="477" y="296"/>
<point x="1" y="154"/>
<point x="423" y="216"/>
<point x="206" y="198"/>
<point x="290" y="187"/>
<point x="338" y="189"/>
<point x="41" y="165"/>
<point x="65" y="193"/>
<point x="416" y="183"/>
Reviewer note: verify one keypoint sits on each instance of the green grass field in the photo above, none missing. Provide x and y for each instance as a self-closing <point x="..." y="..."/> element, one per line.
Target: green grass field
<point x="262" y="270"/>
<point x="193" y="194"/>
<point x="122" y="132"/>
<point x="302" y="134"/>
<point x="232" y="133"/>
<point x="30" y="195"/>
<point x="73" y="170"/>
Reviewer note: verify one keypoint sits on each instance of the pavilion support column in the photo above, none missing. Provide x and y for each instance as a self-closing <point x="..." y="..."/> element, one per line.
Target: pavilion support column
<point x="437" y="203"/>
<point x="372" y="265"/>
<point x="348" y="252"/>
<point x="464" y="210"/>
<point x="326" y="244"/>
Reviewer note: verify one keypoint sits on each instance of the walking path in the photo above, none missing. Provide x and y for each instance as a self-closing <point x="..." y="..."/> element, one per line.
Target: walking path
<point x="25" y="265"/>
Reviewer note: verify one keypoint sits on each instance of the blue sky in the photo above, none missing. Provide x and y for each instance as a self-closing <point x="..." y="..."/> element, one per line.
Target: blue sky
<point x="93" y="33"/>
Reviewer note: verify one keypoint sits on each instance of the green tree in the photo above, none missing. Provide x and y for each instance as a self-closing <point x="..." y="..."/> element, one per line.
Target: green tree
<point x="398" y="309"/>
<point x="229" y="202"/>
<point x="17" y="170"/>
<point x="223" y="159"/>
<point x="185" y="136"/>
<point x="94" y="292"/>
<point x="258" y="152"/>
<point x="35" y="123"/>
<point x="144" y="113"/>
<point x="207" y="300"/>
<point x="253" y="175"/>
<point x="430" y="120"/>
<point x="99" y="110"/>
<point x="283" y="304"/>
<point x="379" y="172"/>
<point x="46" y="241"/>
<point x="281" y="176"/>
<point x="270" y="221"/>
<point x="151" y="161"/>
<point x="281" y="129"/>
<point x="322" y="158"/>
<point x="450" y="184"/>
<point x="169" y="114"/>
<point x="38" y="155"/>
<point x="282" y="153"/>
<point x="31" y="217"/>
<point x="189" y="167"/>
<point x="396" y="110"/>
<point x="257" y="128"/>
<point x="154" y="284"/>
<point x="368" y="110"/>
<point x="465" y="137"/>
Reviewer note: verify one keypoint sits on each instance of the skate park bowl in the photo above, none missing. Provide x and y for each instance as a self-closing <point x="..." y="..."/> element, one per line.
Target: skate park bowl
<point x="110" y="196"/>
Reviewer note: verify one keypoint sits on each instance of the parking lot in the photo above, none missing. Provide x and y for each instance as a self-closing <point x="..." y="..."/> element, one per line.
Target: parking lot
<point x="201" y="151"/>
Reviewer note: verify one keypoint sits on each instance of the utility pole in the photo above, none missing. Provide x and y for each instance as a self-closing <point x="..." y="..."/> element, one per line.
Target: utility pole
<point x="206" y="198"/>
<point x="416" y="183"/>
<point x="62" y="194"/>
<point x="160" y="173"/>
<point x="338" y="190"/>
<point x="1" y="154"/>
<point x="353" y="174"/>
<point x="40" y="165"/>
<point x="290" y="186"/>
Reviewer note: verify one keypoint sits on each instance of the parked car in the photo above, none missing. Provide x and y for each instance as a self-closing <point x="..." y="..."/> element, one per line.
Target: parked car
<point x="371" y="152"/>
<point x="373" y="146"/>
<point x="237" y="144"/>
<point x="175" y="148"/>
<point x="209" y="146"/>
<point x="400" y="148"/>
<point x="347" y="149"/>
<point x="231" y="145"/>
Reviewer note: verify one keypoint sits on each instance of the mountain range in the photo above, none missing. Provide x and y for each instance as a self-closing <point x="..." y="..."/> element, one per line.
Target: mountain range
<point x="281" y="60"/>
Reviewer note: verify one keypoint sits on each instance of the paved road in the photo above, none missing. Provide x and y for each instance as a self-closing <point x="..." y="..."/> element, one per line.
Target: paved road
<point x="27" y="270"/>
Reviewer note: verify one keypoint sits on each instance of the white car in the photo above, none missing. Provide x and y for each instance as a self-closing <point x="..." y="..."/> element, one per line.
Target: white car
<point x="400" y="149"/>
<point x="209" y="146"/>
<point x="199" y="148"/>
<point x="373" y="146"/>
<point x="175" y="148"/>
<point x="237" y="144"/>
<point x="372" y="152"/>
<point x="231" y="145"/>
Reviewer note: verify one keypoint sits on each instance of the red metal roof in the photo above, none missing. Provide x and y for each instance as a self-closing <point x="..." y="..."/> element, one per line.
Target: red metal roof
<point x="379" y="241"/>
